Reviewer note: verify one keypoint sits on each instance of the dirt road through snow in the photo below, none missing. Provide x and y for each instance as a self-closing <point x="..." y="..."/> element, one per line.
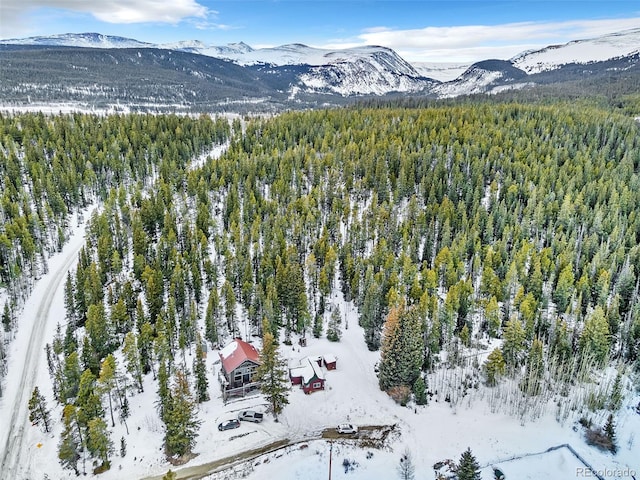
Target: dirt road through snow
<point x="28" y="348"/>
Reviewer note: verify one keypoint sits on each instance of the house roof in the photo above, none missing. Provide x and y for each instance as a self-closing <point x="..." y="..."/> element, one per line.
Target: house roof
<point x="309" y="370"/>
<point x="236" y="353"/>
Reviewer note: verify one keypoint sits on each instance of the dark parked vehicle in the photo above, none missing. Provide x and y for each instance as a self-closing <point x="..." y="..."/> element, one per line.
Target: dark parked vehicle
<point x="250" y="416"/>
<point x="229" y="424"/>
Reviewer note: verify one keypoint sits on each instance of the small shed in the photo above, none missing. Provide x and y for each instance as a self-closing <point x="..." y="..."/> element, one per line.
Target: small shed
<point x="329" y="361"/>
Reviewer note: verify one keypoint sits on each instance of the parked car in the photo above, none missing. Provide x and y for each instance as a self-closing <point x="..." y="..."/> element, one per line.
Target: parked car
<point x="229" y="424"/>
<point x="250" y="416"/>
<point x="347" y="428"/>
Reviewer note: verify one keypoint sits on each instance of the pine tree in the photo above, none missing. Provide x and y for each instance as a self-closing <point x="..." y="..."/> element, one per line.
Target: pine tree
<point x="181" y="423"/>
<point x="401" y="355"/>
<point x="615" y="399"/>
<point x="465" y="335"/>
<point x="468" y="467"/>
<point x="99" y="442"/>
<point x="534" y="368"/>
<point x="610" y="432"/>
<point x="123" y="447"/>
<point x="70" y="378"/>
<point x="107" y="381"/>
<point x="513" y="346"/>
<point x="38" y="413"/>
<point x="88" y="401"/>
<point x="272" y="373"/>
<point x="420" y="391"/>
<point x="170" y="475"/>
<point x="211" y="316"/>
<point x="6" y="317"/>
<point x="70" y="441"/>
<point x="164" y="392"/>
<point x="494" y="366"/>
<point x="200" y="372"/>
<point x="69" y="299"/>
<point x="406" y="469"/>
<point x="132" y="359"/>
<point x="564" y="288"/>
<point x="334" y="331"/>
<point x="317" y="326"/>
<point x="594" y="340"/>
<point x="145" y="345"/>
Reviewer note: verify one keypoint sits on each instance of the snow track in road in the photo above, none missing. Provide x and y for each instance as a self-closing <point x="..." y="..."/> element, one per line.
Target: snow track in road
<point x="27" y="351"/>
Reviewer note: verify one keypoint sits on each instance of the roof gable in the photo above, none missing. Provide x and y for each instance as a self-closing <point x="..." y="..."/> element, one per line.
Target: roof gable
<point x="236" y="353"/>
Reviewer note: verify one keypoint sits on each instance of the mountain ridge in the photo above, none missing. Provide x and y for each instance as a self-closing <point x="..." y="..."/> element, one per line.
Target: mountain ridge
<point x="295" y="75"/>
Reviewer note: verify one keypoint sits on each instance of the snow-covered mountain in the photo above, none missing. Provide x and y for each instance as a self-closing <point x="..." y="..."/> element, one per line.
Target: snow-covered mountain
<point x="482" y="77"/>
<point x="369" y="70"/>
<point x="85" y="40"/>
<point x="606" y="47"/>
<point x="296" y="73"/>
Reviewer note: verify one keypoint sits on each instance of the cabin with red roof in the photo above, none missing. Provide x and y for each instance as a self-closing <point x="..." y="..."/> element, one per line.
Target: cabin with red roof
<point x="308" y="375"/>
<point x="240" y="361"/>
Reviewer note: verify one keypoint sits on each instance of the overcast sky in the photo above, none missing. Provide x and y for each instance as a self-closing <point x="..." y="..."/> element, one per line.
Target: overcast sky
<point x="419" y="30"/>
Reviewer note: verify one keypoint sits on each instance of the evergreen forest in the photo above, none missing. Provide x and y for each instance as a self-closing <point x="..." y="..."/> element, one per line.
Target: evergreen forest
<point x="452" y="229"/>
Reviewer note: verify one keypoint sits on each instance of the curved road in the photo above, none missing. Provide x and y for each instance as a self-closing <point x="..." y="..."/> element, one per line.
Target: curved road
<point x="29" y="361"/>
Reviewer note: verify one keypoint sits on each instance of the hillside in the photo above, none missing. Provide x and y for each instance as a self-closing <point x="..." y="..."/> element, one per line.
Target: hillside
<point x="488" y="254"/>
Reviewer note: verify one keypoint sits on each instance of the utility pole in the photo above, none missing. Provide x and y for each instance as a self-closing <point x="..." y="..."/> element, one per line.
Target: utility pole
<point x="330" y="454"/>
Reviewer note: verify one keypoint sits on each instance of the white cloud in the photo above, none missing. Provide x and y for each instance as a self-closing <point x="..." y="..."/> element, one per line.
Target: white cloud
<point x="477" y="42"/>
<point x="14" y="12"/>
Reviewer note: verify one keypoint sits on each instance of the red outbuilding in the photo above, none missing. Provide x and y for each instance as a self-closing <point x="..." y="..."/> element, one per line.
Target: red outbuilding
<point x="329" y="361"/>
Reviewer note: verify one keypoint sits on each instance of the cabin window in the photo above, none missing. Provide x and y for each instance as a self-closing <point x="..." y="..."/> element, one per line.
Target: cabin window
<point x="316" y="385"/>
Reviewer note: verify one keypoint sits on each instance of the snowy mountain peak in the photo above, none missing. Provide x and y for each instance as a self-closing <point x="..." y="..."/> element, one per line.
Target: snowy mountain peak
<point x="606" y="47"/>
<point x="240" y="46"/>
<point x="86" y="40"/>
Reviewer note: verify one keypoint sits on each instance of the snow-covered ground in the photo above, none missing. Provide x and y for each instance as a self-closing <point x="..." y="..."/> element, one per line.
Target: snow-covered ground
<point x="27" y="362"/>
<point x="431" y="433"/>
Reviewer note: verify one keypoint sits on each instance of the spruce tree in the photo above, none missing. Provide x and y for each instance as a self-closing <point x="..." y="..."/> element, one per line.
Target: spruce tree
<point x="594" y="341"/>
<point x="468" y="467"/>
<point x="170" y="475"/>
<point x="610" y="432"/>
<point x="70" y="377"/>
<point x="406" y="469"/>
<point x="181" y="423"/>
<point x="334" y="331"/>
<point x="132" y="360"/>
<point x="615" y="399"/>
<point x="534" y="369"/>
<point x="6" y="317"/>
<point x="513" y="345"/>
<point x="494" y="366"/>
<point x="272" y="373"/>
<point x="38" y="413"/>
<point x="420" y="391"/>
<point x="200" y="372"/>
<point x="402" y="346"/>
<point x="107" y="381"/>
<point x="99" y="441"/>
<point x="70" y="441"/>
